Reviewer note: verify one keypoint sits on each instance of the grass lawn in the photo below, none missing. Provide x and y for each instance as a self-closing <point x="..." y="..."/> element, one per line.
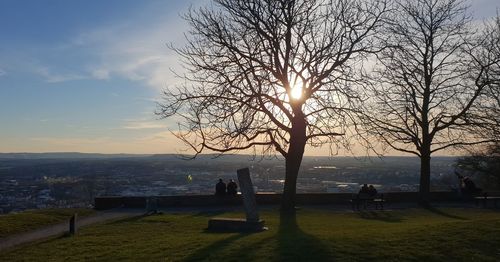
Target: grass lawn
<point x="449" y="234"/>
<point x="32" y="219"/>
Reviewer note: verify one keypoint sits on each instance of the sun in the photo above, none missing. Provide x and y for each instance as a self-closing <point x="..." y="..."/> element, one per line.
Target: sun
<point x="296" y="92"/>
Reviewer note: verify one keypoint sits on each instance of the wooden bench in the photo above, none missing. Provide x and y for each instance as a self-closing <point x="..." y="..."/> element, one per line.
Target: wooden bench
<point x="485" y="199"/>
<point x="359" y="199"/>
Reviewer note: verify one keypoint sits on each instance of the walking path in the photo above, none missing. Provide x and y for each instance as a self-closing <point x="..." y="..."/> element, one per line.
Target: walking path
<point x="59" y="229"/>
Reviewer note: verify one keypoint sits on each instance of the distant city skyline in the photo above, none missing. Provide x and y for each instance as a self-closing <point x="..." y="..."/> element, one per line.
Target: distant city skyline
<point x="83" y="76"/>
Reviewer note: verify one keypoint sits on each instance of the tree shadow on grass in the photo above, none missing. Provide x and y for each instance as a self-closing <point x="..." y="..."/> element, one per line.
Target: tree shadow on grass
<point x="442" y="213"/>
<point x="210" y="213"/>
<point x="127" y="219"/>
<point x="384" y="216"/>
<point x="289" y="243"/>
<point x="296" y="245"/>
<point x="139" y="218"/>
<point x="210" y="252"/>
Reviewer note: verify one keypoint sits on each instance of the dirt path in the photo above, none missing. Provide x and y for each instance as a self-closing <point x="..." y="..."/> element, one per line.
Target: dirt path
<point x="62" y="228"/>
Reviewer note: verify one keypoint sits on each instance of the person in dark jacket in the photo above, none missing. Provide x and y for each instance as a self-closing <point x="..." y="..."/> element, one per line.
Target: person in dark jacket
<point x="364" y="189"/>
<point x="232" y="188"/>
<point x="372" y="191"/>
<point x="469" y="187"/>
<point x="220" y="188"/>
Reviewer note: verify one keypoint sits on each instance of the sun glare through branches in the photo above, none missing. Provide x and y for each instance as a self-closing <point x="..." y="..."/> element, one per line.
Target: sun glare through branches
<point x="296" y="92"/>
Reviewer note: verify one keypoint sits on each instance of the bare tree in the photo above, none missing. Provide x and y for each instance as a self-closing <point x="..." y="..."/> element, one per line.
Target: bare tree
<point x="272" y="74"/>
<point x="425" y="86"/>
<point x="485" y="159"/>
<point x="485" y="113"/>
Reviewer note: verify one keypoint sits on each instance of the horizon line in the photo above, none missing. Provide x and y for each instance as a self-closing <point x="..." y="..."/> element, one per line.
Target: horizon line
<point x="204" y="154"/>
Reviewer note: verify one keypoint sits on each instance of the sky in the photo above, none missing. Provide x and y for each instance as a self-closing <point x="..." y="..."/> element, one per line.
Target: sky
<point x="84" y="75"/>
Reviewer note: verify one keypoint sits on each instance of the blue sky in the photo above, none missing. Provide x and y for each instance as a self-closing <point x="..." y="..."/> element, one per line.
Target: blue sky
<point x="83" y="76"/>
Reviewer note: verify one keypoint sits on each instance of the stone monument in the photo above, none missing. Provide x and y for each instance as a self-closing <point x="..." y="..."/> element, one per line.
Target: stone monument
<point x="72" y="225"/>
<point x="252" y="222"/>
<point x="151" y="206"/>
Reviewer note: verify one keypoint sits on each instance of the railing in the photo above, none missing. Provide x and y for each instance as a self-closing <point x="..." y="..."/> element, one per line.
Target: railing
<point x="108" y="202"/>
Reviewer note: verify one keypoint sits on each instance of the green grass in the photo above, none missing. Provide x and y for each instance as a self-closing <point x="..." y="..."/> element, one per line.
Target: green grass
<point x="317" y="235"/>
<point x="33" y="219"/>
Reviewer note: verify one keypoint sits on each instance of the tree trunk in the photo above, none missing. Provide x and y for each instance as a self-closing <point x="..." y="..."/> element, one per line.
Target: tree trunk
<point x="292" y="171"/>
<point x="425" y="178"/>
<point x="293" y="161"/>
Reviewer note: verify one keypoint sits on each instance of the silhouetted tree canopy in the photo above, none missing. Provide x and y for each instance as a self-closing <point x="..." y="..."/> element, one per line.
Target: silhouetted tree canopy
<point x="273" y="75"/>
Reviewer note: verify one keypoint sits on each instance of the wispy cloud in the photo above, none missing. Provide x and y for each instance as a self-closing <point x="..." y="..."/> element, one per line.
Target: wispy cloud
<point x="56" y="141"/>
<point x="100" y="73"/>
<point x="138" y="125"/>
<point x="2" y="72"/>
<point x="133" y="51"/>
<point x="50" y="77"/>
<point x="148" y="99"/>
<point x="160" y="136"/>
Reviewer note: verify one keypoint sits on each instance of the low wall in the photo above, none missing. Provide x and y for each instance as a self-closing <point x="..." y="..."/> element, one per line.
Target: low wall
<point x="108" y="202"/>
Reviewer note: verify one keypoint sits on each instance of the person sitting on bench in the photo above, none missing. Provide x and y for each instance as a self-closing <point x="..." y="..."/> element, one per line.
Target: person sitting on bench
<point x="365" y="195"/>
<point x="372" y="191"/>
<point x="232" y="188"/>
<point x="467" y="186"/>
<point x="364" y="190"/>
